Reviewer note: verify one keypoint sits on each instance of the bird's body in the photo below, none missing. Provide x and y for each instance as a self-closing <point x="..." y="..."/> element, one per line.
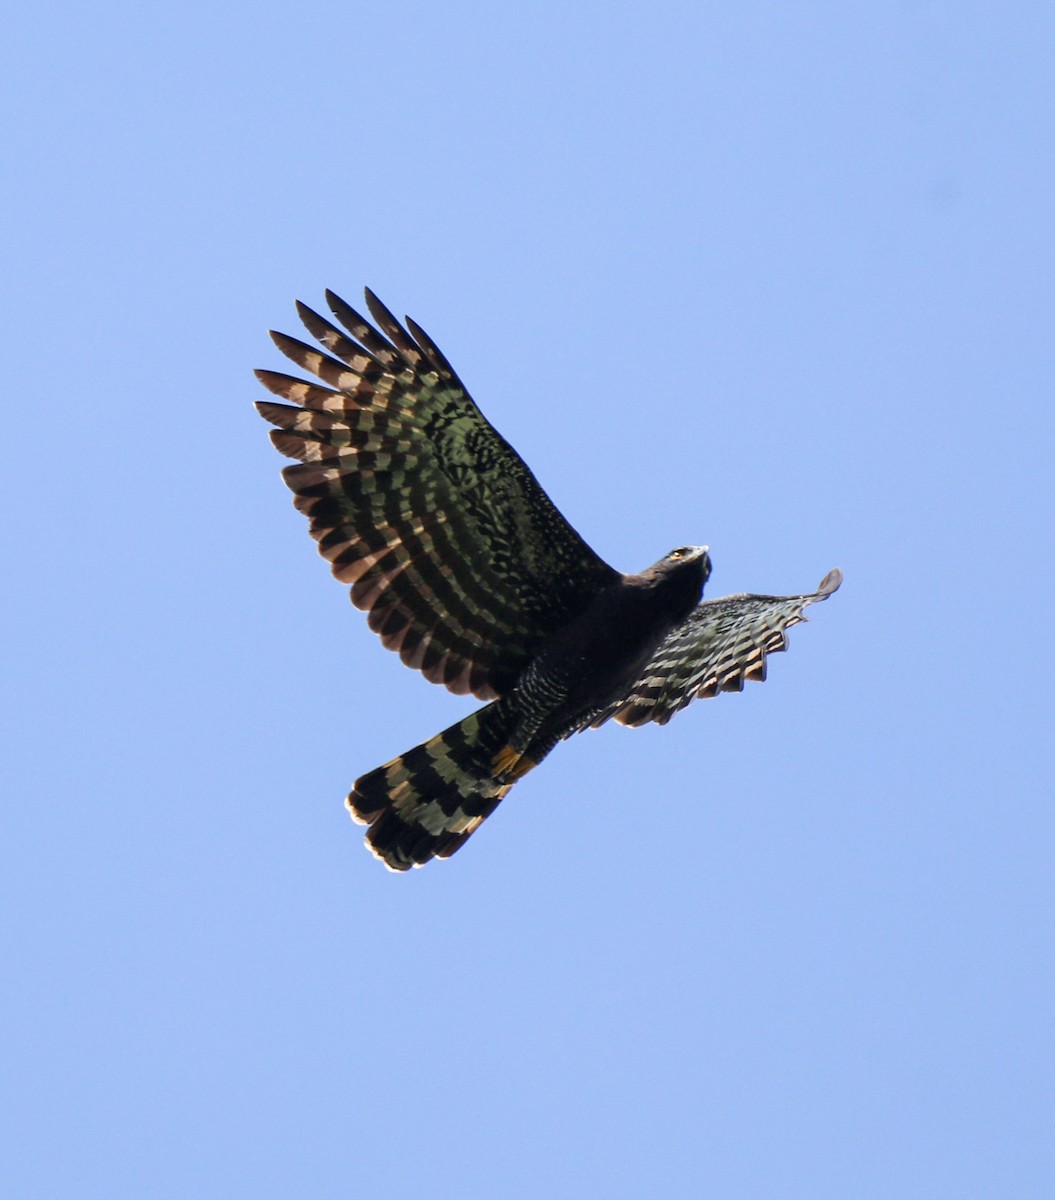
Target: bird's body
<point x="595" y="659"/>
<point x="468" y="571"/>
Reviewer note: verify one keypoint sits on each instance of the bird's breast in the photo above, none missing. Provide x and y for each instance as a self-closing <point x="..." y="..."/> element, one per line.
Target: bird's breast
<point x="603" y="651"/>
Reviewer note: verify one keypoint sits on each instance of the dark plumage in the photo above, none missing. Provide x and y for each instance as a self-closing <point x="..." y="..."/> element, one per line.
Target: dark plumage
<point x="465" y="568"/>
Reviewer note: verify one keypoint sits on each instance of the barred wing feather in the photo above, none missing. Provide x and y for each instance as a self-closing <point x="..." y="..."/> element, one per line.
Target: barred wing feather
<point x="459" y="557"/>
<point x="721" y="644"/>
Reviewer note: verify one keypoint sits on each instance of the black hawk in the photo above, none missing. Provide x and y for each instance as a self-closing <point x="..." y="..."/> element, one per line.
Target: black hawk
<point x="466" y="568"/>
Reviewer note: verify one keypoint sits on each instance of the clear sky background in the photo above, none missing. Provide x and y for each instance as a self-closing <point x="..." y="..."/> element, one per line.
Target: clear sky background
<point x="773" y="277"/>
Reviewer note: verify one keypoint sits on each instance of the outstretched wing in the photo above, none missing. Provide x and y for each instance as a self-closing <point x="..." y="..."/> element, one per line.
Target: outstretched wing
<point x="719" y="645"/>
<point x="459" y="557"/>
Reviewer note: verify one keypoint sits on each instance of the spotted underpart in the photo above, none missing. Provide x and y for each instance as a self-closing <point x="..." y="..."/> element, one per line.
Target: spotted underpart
<point x="469" y="572"/>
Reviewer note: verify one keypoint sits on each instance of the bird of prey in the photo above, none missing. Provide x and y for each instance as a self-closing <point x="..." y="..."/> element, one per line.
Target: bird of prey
<point x="465" y="567"/>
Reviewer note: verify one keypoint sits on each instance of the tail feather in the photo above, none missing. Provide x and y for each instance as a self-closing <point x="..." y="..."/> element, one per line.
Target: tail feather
<point x="427" y="802"/>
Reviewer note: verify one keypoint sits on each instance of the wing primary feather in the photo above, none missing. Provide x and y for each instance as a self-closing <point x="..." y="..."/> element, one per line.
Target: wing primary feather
<point x="346" y="348"/>
<point x="304" y="420"/>
<point x="434" y="354"/>
<point x="392" y="329"/>
<point x="300" y="391"/>
<point x="361" y="329"/>
<point x="330" y="370"/>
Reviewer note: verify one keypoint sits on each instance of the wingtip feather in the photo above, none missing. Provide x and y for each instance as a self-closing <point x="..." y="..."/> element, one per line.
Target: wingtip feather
<point x="830" y="583"/>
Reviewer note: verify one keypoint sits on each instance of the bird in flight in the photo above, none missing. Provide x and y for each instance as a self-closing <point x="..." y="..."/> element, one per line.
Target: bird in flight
<point x="466" y="569"/>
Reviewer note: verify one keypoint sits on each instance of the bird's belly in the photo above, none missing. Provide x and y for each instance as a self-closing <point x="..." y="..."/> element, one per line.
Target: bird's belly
<point x="585" y="674"/>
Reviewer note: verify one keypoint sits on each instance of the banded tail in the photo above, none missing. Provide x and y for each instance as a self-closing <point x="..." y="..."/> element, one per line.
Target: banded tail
<point x="427" y="802"/>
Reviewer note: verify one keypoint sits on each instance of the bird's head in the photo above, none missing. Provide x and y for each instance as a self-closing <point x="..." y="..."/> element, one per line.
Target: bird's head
<point x="684" y="555"/>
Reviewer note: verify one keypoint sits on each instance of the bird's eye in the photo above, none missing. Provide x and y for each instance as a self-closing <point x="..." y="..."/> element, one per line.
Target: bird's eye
<point x="678" y="553"/>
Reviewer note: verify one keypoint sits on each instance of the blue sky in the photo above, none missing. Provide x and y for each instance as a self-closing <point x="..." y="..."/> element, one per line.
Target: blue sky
<point x="774" y="278"/>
